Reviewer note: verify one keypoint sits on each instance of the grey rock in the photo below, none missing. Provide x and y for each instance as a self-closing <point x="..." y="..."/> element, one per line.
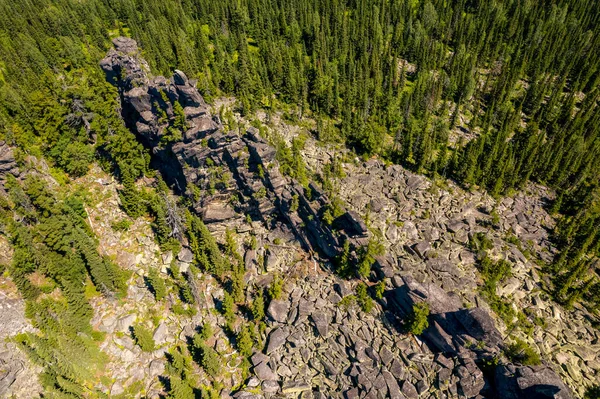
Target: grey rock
<point x="9" y="370"/>
<point x="471" y="379"/>
<point x="409" y="390"/>
<point x="160" y="334"/>
<point x="351" y="393"/>
<point x="217" y="212"/>
<point x="258" y="358"/>
<point x="278" y="310"/>
<point x="441" y="266"/>
<point x="293" y="387"/>
<point x="342" y="288"/>
<point x="124" y="323"/>
<point x="117" y="388"/>
<point x="277" y="339"/>
<point x="8" y="163"/>
<point x="422" y="387"/>
<point x="264" y="372"/>
<point x="321" y="321"/>
<point x="421" y="248"/>
<point x="185" y="255"/>
<point x="514" y="382"/>
<point x="156" y="367"/>
<point x="456" y="226"/>
<point x="253" y="382"/>
<point x="480" y="325"/>
<point x="270" y="386"/>
<point x="329" y="368"/>
<point x="392" y="385"/>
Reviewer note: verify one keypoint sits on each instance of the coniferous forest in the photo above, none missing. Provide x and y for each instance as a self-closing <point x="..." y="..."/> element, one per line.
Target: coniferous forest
<point x="491" y="94"/>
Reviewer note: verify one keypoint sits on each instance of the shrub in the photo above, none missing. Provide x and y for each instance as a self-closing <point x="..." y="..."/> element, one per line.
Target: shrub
<point x="479" y="242"/>
<point x="379" y="289"/>
<point x="347" y="302"/>
<point x="76" y="158"/>
<point x="364" y="300"/>
<point x="131" y="198"/>
<point x="209" y="360"/>
<point x="180" y="389"/>
<point x="276" y="287"/>
<point x="343" y="265"/>
<point x="122" y="225"/>
<point x="207" y="331"/>
<point x="592" y="392"/>
<point x="244" y="341"/>
<point x="493" y="273"/>
<point x="258" y="306"/>
<point x="227" y="308"/>
<point x="367" y="257"/>
<point x="520" y="352"/>
<point x="418" y="319"/>
<point x="156" y="284"/>
<point x="143" y="338"/>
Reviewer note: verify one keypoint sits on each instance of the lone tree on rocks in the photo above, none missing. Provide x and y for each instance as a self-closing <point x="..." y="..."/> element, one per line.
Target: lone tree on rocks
<point x="418" y="320"/>
<point x="143" y="337"/>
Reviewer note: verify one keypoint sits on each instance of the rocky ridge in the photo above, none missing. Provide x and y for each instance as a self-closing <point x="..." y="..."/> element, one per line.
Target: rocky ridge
<point x="246" y="166"/>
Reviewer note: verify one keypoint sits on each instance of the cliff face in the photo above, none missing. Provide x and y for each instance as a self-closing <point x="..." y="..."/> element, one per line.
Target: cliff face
<point x="313" y="345"/>
<point x="215" y="164"/>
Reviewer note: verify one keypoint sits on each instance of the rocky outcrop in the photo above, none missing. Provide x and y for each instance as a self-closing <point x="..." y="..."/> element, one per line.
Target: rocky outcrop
<point x="541" y="382"/>
<point x="8" y="165"/>
<point x="17" y="374"/>
<point x="471" y="335"/>
<point x="10" y="368"/>
<point x="313" y="343"/>
<point x="235" y="175"/>
<point x="452" y="327"/>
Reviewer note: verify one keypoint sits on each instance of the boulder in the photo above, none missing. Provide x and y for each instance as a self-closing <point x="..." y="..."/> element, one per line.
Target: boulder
<point x="442" y="266"/>
<point x="471" y="379"/>
<point x="455" y="226"/>
<point x="409" y="390"/>
<point x="157" y="367"/>
<point x="392" y="385"/>
<point x="278" y="310"/>
<point x="421" y="248"/>
<point x="217" y="212"/>
<point x="411" y="292"/>
<point x="270" y="386"/>
<point x="480" y="325"/>
<point x="160" y="334"/>
<point x="9" y="370"/>
<point x="125" y="323"/>
<point x="185" y="255"/>
<point x="277" y="338"/>
<point x="294" y="387"/>
<point x="539" y="382"/>
<point x="352" y="224"/>
<point x="8" y="163"/>
<point x="258" y="358"/>
<point x="264" y="372"/>
<point x="321" y="321"/>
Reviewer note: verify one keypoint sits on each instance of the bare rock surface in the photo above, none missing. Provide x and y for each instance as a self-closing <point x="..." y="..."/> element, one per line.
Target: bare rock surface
<point x="18" y="376"/>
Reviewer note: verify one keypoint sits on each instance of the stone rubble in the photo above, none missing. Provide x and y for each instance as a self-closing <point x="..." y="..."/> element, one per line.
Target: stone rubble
<point x="316" y="346"/>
